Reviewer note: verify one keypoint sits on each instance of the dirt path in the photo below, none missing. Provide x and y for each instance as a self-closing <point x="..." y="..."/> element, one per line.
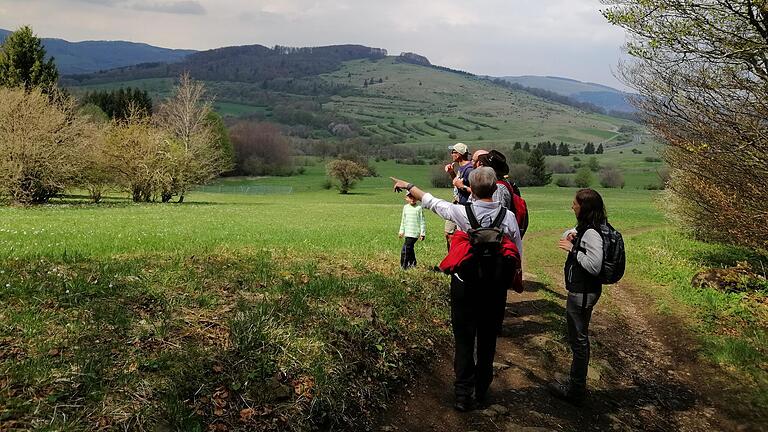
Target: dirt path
<point x="643" y="373"/>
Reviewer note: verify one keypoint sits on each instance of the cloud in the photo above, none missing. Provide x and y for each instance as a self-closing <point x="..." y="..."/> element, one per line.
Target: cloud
<point x="188" y="7"/>
<point x="182" y="7"/>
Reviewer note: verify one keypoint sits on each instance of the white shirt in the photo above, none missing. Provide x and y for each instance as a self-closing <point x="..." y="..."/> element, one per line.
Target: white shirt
<point x="484" y="211"/>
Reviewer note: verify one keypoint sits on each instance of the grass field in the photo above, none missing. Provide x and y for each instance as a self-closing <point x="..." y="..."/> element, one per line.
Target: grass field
<point x="278" y="312"/>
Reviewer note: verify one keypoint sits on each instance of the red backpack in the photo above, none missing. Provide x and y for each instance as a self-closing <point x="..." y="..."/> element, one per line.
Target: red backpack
<point x="519" y="207"/>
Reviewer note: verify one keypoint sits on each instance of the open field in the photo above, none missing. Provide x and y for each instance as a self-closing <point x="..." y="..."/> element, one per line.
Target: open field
<point x="235" y="312"/>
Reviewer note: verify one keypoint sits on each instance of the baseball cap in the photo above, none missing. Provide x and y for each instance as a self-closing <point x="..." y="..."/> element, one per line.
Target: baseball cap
<point x="461" y="148"/>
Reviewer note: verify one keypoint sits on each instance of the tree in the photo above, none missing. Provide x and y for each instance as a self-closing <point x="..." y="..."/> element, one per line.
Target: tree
<point x="41" y="143"/>
<point x="583" y="178"/>
<point x="599" y="149"/>
<point x="563" y="150"/>
<point x="701" y="71"/>
<point x="539" y="174"/>
<point x="221" y="137"/>
<point x="347" y="173"/>
<point x="22" y="62"/>
<point x="593" y="164"/>
<point x="261" y="149"/>
<point x="589" y="148"/>
<point x="139" y="155"/>
<point x="118" y="103"/>
<point x="197" y="156"/>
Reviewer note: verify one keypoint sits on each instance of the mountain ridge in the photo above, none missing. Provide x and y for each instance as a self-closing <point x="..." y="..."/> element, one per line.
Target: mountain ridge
<point x="95" y="55"/>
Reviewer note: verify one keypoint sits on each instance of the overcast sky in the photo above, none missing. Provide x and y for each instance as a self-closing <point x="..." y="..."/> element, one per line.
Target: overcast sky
<point x="491" y="37"/>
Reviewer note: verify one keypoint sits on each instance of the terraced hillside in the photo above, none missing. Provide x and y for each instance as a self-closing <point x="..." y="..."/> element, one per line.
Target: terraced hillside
<point x="426" y="106"/>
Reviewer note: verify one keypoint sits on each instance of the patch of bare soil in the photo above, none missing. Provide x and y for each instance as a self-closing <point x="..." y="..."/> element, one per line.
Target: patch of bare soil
<point x="644" y="374"/>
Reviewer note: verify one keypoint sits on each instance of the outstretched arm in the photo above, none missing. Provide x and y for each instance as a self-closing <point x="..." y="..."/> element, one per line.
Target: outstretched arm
<point x="402" y="184"/>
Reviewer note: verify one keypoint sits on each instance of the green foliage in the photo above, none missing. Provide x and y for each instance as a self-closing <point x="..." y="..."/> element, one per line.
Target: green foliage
<point x="119" y="104"/>
<point x="539" y="174"/>
<point x="583" y="178"/>
<point x="593" y="164"/>
<point x="221" y="137"/>
<point x="22" y="62"/>
<point x="346" y="173"/>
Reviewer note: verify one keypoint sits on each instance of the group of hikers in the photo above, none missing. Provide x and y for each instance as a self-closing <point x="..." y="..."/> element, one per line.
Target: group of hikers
<point x="484" y="229"/>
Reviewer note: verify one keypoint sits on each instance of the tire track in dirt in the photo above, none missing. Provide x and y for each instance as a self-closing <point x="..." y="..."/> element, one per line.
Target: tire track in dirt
<point x="644" y="373"/>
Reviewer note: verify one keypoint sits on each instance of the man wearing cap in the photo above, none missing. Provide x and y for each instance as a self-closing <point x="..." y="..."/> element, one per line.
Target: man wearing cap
<point x="459" y="171"/>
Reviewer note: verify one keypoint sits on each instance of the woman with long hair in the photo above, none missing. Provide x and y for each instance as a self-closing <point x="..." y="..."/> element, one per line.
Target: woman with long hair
<point x="582" y="267"/>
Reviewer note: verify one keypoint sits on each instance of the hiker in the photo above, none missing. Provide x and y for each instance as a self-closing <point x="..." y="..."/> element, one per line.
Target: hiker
<point x="459" y="170"/>
<point x="506" y="193"/>
<point x="584" y="245"/>
<point x="478" y="286"/>
<point x="412" y="227"/>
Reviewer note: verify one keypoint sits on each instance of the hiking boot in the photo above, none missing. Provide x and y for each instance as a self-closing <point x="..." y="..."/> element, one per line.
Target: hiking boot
<point x="566" y="393"/>
<point x="463" y="404"/>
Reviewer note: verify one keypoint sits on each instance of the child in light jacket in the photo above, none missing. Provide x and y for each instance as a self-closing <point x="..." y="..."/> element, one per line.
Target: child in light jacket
<point x="412" y="227"/>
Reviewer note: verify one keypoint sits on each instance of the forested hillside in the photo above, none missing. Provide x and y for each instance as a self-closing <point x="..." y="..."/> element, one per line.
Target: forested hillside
<point x="93" y="56"/>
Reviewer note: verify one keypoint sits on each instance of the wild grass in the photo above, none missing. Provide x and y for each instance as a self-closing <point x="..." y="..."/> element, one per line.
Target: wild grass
<point x="284" y="312"/>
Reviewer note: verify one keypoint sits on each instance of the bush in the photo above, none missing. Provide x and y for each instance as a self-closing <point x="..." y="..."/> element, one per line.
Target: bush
<point x="583" y="178"/>
<point x="452" y="135"/>
<point x="439" y="178"/>
<point x="652" y="159"/>
<point x="611" y="177"/>
<point x="41" y="143"/>
<point x="521" y="174"/>
<point x="593" y="164"/>
<point x="565" y="182"/>
<point x="560" y="167"/>
<point x="261" y="149"/>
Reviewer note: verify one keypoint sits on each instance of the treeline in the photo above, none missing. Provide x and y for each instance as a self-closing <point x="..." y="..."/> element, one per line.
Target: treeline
<point x="565" y="100"/>
<point x="251" y="64"/>
<point x="117" y="104"/>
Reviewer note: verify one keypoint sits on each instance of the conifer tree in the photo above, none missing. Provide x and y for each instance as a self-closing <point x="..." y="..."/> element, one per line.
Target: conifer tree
<point x="22" y="62"/>
<point x="539" y="174"/>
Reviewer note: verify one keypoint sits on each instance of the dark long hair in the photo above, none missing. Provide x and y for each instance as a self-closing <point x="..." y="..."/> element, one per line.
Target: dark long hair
<point x="592" y="210"/>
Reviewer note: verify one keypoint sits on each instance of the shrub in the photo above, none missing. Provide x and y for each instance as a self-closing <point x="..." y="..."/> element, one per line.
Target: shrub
<point x="560" y="167"/>
<point x="521" y="174"/>
<point x="652" y="159"/>
<point x="583" y="178"/>
<point x="593" y="164"/>
<point x="452" y="135"/>
<point x="439" y="178"/>
<point x="41" y="143"/>
<point x="261" y="149"/>
<point x="611" y="177"/>
<point x="564" y="181"/>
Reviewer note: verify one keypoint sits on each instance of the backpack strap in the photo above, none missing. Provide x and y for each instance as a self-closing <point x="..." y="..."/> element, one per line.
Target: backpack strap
<point x="499" y="217"/>
<point x="471" y="216"/>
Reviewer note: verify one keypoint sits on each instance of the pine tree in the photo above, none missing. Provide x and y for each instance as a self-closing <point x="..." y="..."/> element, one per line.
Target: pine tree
<point x="527" y="147"/>
<point x="518" y="145"/>
<point x="539" y="174"/>
<point x="22" y="62"/>
<point x="563" y="150"/>
<point x="599" y="149"/>
<point x="589" y="148"/>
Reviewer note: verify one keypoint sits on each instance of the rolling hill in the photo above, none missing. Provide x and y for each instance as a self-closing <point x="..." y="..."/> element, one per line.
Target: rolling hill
<point x="608" y="98"/>
<point x="93" y="56"/>
<point x="380" y="96"/>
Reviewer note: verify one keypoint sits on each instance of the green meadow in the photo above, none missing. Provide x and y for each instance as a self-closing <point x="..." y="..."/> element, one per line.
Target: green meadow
<point x="282" y="311"/>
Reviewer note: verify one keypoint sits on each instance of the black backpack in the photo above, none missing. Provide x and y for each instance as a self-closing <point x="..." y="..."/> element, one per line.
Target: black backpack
<point x="485" y="244"/>
<point x="614" y="259"/>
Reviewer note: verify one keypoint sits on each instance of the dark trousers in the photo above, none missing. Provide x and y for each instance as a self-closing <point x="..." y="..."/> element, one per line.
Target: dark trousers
<point x="578" y="313"/>
<point x="408" y="254"/>
<point x="477" y="311"/>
